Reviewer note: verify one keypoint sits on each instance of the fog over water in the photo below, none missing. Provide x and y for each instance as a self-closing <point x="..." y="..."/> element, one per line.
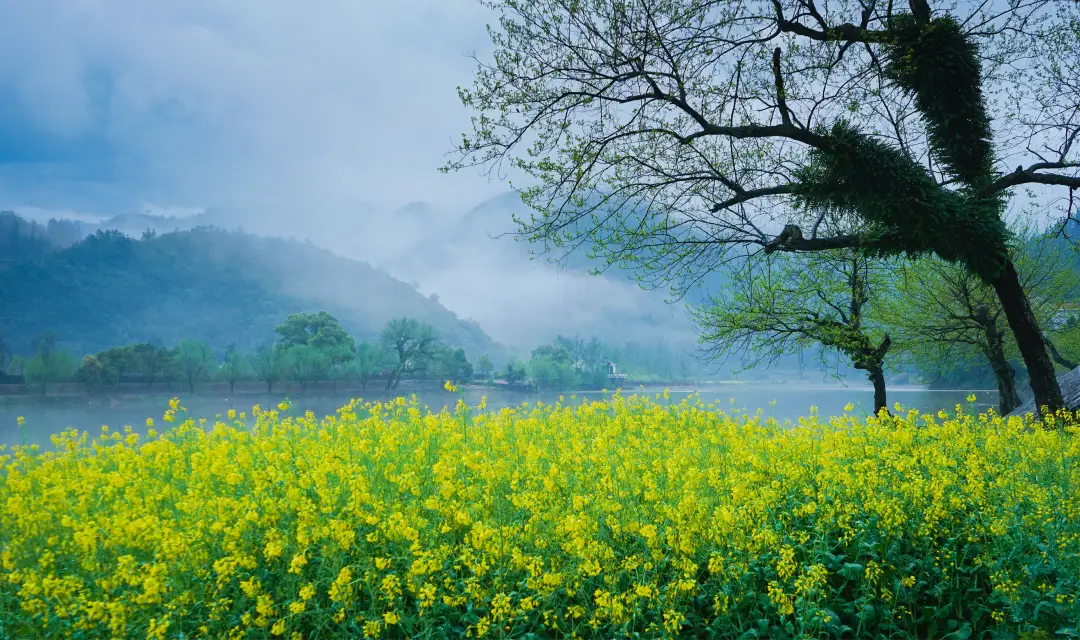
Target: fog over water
<point x="791" y="402"/>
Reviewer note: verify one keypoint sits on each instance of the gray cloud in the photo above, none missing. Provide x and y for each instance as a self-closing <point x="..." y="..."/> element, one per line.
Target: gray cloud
<point x="201" y="101"/>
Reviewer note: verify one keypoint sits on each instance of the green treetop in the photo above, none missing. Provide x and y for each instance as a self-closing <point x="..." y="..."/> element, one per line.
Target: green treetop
<point x="674" y="137"/>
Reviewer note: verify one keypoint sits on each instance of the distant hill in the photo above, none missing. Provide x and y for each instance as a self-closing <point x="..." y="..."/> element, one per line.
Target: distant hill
<point x="222" y="287"/>
<point x="460" y="257"/>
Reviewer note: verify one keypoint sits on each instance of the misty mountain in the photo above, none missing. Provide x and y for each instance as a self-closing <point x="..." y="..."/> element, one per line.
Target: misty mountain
<point x="465" y="259"/>
<point x="222" y="287"/>
<point x="478" y="267"/>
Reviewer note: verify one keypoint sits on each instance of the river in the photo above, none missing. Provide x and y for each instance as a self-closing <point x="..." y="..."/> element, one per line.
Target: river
<point x="45" y="417"/>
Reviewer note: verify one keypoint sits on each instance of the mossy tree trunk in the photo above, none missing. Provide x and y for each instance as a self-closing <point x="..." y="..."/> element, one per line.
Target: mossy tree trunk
<point x="872" y="361"/>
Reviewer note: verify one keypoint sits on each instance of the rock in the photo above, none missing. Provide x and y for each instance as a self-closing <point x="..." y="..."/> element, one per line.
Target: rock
<point x="1070" y="388"/>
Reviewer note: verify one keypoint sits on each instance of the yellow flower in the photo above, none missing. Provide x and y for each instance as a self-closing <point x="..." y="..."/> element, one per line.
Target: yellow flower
<point x="341" y="588"/>
<point x="450" y="386"/>
<point x="971" y="397"/>
<point x="157" y="628"/>
<point x="284" y="405"/>
<point x="372" y="629"/>
<point x="250" y="587"/>
<point x="611" y="517"/>
<point x="21" y="420"/>
<point x="296" y="565"/>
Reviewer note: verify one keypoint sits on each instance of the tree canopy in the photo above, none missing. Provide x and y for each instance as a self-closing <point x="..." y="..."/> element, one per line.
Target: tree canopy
<point x="319" y="330"/>
<point x="682" y="136"/>
<point x="408" y="344"/>
<point x="786" y="305"/>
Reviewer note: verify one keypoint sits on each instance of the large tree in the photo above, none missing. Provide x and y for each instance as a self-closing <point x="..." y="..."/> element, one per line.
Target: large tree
<point x="671" y="136"/>
<point x="792" y="302"/>
<point x="319" y="330"/>
<point x="943" y="314"/>
<point x="408" y="345"/>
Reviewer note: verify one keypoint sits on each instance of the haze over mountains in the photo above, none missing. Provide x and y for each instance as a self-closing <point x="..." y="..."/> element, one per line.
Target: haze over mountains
<point x="225" y="288"/>
<point x="459" y="258"/>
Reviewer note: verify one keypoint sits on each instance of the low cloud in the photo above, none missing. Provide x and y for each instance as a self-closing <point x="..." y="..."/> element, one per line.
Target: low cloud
<point x="193" y="103"/>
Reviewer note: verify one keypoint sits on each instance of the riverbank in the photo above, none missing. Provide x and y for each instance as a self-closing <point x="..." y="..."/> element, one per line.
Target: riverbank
<point x="48" y="416"/>
<point x="248" y="387"/>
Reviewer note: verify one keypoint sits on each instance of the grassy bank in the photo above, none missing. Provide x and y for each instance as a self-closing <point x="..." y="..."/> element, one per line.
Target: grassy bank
<point x="599" y="520"/>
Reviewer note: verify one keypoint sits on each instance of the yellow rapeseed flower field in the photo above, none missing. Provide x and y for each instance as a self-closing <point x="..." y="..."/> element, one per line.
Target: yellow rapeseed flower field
<point x="627" y="517"/>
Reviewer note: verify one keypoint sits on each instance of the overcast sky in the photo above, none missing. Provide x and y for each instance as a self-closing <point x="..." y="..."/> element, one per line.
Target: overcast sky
<point x="107" y="106"/>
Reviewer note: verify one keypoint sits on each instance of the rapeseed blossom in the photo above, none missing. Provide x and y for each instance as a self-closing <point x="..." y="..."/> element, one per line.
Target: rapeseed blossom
<point x="604" y="519"/>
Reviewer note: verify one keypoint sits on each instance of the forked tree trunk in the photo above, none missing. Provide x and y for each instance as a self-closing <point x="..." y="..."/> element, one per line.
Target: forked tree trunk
<point x="1029" y="338"/>
<point x="872" y="361"/>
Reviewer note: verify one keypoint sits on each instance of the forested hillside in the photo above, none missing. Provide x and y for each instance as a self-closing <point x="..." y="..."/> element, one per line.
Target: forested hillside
<point x="227" y="288"/>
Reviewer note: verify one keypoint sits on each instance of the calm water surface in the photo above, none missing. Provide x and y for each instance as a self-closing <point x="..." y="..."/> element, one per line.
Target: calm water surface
<point x="783" y="402"/>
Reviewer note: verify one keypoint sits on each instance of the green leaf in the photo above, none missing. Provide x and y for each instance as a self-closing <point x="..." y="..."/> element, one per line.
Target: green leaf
<point x="852" y="571"/>
<point x="963" y="633"/>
